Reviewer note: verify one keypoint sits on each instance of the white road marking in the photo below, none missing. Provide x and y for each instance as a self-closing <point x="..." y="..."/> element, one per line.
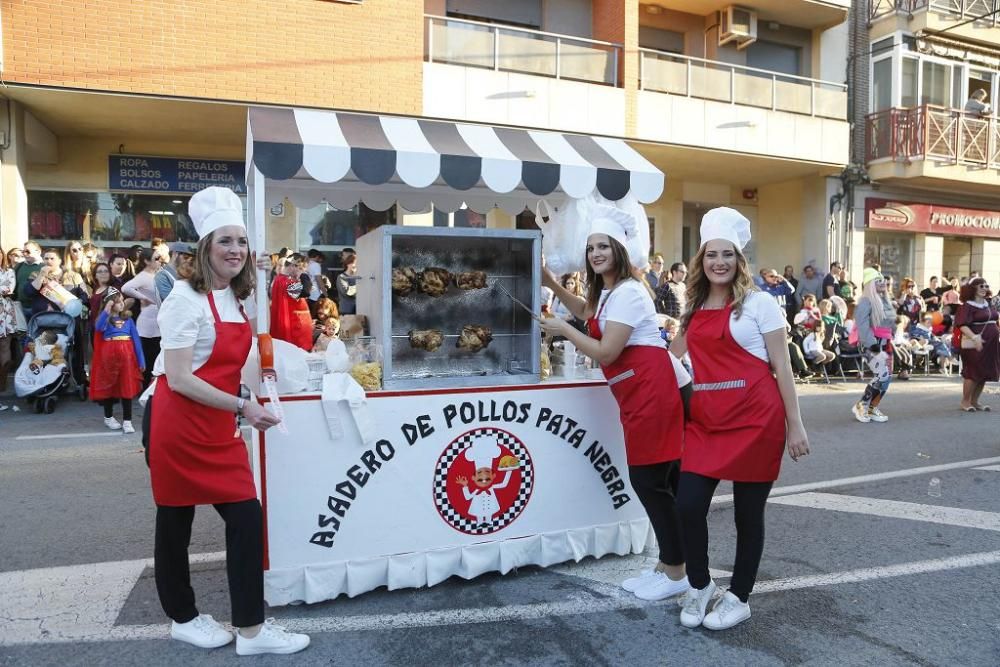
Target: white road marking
<point x="894" y="509"/>
<point x="25" y="624"/>
<point x="57" y="436"/>
<point x="861" y="479"/>
<point x="995" y="468"/>
<point x="612" y="571"/>
<point x="80" y="601"/>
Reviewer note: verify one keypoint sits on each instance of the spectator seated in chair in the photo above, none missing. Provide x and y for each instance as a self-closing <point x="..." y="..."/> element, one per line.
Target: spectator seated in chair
<point x="903" y="348"/>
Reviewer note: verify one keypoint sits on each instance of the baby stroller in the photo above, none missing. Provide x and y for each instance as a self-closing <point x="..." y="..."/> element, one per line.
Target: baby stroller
<point x="38" y="379"/>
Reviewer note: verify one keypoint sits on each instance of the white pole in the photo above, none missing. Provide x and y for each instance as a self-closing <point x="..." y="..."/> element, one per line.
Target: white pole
<point x="258" y="236"/>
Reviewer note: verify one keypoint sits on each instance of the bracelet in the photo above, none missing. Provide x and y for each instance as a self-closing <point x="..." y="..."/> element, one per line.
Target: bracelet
<point x="240" y="404"/>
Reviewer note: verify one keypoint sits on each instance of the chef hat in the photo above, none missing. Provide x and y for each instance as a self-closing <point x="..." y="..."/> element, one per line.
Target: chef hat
<point x="725" y="223"/>
<point x="215" y="207"/>
<point x="616" y="223"/>
<point x="483" y="451"/>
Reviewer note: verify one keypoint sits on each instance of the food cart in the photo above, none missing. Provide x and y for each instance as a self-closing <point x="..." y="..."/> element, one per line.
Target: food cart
<point x="463" y="462"/>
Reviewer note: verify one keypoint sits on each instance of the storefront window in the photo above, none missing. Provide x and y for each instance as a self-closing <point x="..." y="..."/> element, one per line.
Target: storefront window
<point x="326" y="228"/>
<point x="112" y="218"/>
<point x="890" y="251"/>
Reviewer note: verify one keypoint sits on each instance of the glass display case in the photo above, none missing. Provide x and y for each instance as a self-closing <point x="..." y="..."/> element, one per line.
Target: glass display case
<point x="437" y="301"/>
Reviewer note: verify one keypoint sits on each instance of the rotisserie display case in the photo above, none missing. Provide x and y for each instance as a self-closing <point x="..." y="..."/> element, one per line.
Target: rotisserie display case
<point x="438" y="300"/>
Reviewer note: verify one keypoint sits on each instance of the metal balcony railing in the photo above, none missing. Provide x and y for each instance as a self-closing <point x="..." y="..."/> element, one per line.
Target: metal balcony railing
<point x="960" y="9"/>
<point x="677" y="74"/>
<point x="509" y="49"/>
<point x="933" y="133"/>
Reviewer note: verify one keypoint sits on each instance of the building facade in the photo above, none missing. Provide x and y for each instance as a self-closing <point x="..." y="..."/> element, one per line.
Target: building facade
<point x="117" y="111"/>
<point x="931" y="139"/>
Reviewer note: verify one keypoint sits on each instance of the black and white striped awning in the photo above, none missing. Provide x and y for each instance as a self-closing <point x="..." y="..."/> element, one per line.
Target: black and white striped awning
<point x="305" y="153"/>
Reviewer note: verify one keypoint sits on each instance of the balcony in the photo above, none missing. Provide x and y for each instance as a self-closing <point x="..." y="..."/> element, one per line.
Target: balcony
<point x="914" y="15"/>
<point x="501" y="74"/>
<point x="934" y="145"/>
<point x="693" y="101"/>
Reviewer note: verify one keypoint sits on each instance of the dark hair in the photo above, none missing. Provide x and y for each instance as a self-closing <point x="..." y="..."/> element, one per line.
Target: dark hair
<point x="145" y="257"/>
<point x="93" y="272"/>
<point x="676" y="266"/>
<point x="595" y="282"/>
<point x="968" y="292"/>
<point x="349" y="257"/>
<point x="932" y="278"/>
<point x="315" y="254"/>
<point x="201" y="275"/>
<point x="344" y="251"/>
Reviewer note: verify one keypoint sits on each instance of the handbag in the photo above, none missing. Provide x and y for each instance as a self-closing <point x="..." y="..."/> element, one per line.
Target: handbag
<point x="20" y="321"/>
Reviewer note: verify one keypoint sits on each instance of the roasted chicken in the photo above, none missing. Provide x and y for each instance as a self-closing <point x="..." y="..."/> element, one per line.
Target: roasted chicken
<point x="470" y="280"/>
<point x="426" y="339"/>
<point x="404" y="281"/>
<point x="434" y="281"/>
<point x="474" y="338"/>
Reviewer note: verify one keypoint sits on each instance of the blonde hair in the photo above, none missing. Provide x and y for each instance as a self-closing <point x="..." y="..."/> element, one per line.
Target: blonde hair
<point x="201" y="275"/>
<point x="698" y="285"/>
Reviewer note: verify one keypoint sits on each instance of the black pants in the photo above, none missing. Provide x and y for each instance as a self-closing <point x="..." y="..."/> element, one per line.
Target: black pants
<point x="109" y="408"/>
<point x="244" y="561"/>
<point x="150" y="350"/>
<point x="656" y="486"/>
<point x="694" y="496"/>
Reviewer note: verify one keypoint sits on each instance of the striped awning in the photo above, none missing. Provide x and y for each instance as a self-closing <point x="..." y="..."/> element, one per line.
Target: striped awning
<point x="380" y="159"/>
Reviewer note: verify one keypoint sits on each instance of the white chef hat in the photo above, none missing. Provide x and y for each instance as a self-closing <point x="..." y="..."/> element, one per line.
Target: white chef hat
<point x="725" y="223"/>
<point x="483" y="451"/>
<point x="614" y="222"/>
<point x="215" y="207"/>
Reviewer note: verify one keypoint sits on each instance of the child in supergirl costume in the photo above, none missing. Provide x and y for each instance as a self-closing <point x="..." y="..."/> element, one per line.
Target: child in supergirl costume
<point x="744" y="412"/>
<point x="290" y="317"/>
<point x="118" y="363"/>
<point x="643" y="377"/>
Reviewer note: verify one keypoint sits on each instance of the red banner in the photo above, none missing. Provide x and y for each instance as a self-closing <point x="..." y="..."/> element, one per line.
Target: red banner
<point x="930" y="218"/>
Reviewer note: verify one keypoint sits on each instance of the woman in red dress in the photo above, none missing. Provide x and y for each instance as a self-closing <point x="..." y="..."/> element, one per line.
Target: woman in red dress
<point x="624" y="337"/>
<point x="980" y="343"/>
<point x="744" y="412"/>
<point x="196" y="453"/>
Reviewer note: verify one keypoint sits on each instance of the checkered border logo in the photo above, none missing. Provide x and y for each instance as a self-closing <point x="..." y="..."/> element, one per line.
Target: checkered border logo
<point x="450" y="515"/>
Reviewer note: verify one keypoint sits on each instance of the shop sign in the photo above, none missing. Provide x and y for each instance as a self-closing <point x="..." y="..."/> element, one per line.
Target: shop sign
<point x="930" y="218"/>
<point x="444" y="470"/>
<point x="140" y="173"/>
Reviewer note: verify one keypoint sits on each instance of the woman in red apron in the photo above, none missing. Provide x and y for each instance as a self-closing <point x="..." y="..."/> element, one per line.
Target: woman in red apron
<point x="196" y="454"/>
<point x="625" y="339"/>
<point x="744" y="412"/>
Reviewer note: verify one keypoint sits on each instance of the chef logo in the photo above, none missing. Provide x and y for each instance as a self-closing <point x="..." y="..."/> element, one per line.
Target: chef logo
<point x="483" y="481"/>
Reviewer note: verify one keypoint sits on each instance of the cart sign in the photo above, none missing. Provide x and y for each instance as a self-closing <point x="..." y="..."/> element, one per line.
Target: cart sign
<point x="450" y="483"/>
<point x="931" y="219"/>
<point x="140" y="173"/>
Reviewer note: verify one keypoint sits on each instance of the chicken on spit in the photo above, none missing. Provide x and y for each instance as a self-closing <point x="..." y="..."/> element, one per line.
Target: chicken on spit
<point x="426" y="339"/>
<point x="474" y="338"/>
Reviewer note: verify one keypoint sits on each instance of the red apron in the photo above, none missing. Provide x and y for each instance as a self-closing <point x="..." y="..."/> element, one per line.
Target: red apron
<point x="643" y="382"/>
<point x="737" y="427"/>
<point x="196" y="455"/>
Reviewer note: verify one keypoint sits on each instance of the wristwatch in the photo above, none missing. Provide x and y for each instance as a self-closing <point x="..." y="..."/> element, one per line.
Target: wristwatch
<point x="240" y="404"/>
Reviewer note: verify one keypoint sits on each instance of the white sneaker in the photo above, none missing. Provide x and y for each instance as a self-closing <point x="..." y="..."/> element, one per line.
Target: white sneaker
<point x="860" y="413"/>
<point x="112" y="423"/>
<point x="127" y="427"/>
<point x="877" y="415"/>
<point x="272" y="638"/>
<point x="202" y="631"/>
<point x="695" y="603"/>
<point x="661" y="587"/>
<point x="632" y="584"/>
<point x="728" y="611"/>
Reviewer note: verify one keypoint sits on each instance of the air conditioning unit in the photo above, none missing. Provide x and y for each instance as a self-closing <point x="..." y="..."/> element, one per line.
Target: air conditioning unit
<point x="739" y="25"/>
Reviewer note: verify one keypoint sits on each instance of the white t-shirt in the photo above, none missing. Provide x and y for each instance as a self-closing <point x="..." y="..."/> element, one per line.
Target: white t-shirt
<point x="761" y="315"/>
<point x="186" y="320"/>
<point x="630" y="304"/>
<point x="315" y="270"/>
